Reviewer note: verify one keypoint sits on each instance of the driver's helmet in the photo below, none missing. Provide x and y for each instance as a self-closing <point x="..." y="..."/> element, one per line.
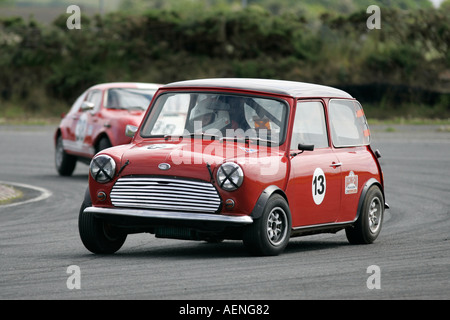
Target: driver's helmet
<point x="212" y="113"/>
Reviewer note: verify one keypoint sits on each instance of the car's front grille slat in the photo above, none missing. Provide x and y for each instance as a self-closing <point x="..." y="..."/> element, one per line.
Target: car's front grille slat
<point x="167" y="200"/>
<point x="163" y="188"/>
<point x="165" y="193"/>
<point x="155" y="193"/>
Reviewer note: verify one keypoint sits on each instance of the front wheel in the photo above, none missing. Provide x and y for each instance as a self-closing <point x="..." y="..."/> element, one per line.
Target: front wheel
<point x="64" y="163"/>
<point x="368" y="225"/>
<point x="97" y="235"/>
<point x="269" y="235"/>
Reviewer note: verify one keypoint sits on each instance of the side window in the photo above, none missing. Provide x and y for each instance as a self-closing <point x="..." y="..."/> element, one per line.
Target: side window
<point x="348" y="123"/>
<point x="309" y="125"/>
<point x="77" y="104"/>
<point x="95" y="96"/>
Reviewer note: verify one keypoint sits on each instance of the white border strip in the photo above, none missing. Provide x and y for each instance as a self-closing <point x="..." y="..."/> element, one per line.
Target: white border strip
<point x="44" y="193"/>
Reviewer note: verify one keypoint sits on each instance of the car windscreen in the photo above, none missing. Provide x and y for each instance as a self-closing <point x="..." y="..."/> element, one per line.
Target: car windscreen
<point x="129" y="98"/>
<point x="219" y="115"/>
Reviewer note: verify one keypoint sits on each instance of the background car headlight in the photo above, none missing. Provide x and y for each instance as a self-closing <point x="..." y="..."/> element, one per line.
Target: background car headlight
<point x="230" y="176"/>
<point x="103" y="168"/>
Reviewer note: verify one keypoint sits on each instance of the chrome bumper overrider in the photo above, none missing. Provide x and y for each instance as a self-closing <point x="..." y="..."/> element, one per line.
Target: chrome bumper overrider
<point x="170" y="215"/>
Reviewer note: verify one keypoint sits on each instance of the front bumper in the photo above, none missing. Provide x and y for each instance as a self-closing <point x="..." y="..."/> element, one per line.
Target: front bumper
<point x="190" y="217"/>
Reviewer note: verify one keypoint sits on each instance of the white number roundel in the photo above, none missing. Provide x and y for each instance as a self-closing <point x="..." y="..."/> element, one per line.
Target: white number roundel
<point x="319" y="186"/>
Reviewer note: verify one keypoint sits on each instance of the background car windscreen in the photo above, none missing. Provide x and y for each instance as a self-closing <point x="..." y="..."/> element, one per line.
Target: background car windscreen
<point x="129" y="98"/>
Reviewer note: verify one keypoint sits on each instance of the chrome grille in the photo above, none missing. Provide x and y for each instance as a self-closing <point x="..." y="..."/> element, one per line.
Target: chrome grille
<point x="165" y="193"/>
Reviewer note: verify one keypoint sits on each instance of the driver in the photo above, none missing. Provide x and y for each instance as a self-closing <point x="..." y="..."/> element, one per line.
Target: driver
<point x="212" y="114"/>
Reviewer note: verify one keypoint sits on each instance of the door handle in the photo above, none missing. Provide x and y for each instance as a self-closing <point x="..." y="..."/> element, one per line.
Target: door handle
<point x="336" y="164"/>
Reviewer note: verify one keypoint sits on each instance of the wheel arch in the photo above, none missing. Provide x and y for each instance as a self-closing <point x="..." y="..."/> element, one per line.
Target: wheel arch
<point x="57" y="134"/>
<point x="370" y="183"/>
<point x="264" y="197"/>
<point x="102" y="135"/>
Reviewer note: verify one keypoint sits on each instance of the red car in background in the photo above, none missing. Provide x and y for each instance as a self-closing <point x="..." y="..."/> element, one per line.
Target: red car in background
<point x="97" y="120"/>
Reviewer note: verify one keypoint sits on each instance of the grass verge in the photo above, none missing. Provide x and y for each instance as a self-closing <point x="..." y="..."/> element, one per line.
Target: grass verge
<point x="8" y="194"/>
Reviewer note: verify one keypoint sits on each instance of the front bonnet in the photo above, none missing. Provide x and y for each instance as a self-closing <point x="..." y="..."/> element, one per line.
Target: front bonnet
<point x="191" y="157"/>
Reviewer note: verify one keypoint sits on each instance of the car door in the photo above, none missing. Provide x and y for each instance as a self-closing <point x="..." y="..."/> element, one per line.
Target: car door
<point x="69" y="123"/>
<point x="314" y="186"/>
<point x="350" y="139"/>
<point x="82" y="124"/>
<point x="94" y="121"/>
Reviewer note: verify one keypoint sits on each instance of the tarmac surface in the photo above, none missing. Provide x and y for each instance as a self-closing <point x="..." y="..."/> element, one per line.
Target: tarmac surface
<point x="40" y="245"/>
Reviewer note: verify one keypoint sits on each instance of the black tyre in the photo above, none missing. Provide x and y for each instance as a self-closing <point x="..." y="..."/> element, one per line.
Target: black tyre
<point x="368" y="225"/>
<point x="97" y="235"/>
<point x="269" y="235"/>
<point x="64" y="163"/>
<point x="104" y="143"/>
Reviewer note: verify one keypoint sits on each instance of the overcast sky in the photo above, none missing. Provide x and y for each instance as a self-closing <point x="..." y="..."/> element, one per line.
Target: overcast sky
<point x="436" y="2"/>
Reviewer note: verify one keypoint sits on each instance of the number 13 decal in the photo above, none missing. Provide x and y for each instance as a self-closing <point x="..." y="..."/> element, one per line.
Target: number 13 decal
<point x="319" y="186"/>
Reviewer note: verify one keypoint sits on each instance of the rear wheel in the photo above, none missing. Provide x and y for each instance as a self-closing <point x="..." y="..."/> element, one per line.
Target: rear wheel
<point x="269" y="235"/>
<point x="368" y="225"/>
<point x="97" y="235"/>
<point x="64" y="163"/>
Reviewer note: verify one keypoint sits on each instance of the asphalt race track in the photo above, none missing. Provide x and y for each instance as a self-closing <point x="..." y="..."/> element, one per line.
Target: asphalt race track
<point x="41" y="252"/>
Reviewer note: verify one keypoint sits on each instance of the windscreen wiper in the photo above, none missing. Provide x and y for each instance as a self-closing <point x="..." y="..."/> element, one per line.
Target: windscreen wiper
<point x="248" y="139"/>
<point x="193" y="135"/>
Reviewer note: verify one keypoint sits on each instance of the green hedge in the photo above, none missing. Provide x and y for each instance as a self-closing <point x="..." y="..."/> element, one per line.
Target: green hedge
<point x="44" y="68"/>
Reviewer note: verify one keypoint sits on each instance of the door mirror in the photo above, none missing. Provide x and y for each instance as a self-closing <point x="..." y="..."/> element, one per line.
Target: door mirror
<point x="305" y="147"/>
<point x="130" y="130"/>
<point x="87" y="105"/>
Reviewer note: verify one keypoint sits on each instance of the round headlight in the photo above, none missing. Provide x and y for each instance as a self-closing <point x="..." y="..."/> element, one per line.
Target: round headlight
<point x="230" y="176"/>
<point x="103" y="168"/>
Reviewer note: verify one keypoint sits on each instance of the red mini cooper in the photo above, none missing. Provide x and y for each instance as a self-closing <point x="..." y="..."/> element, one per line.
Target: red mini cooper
<point x="97" y="120"/>
<point x="244" y="159"/>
